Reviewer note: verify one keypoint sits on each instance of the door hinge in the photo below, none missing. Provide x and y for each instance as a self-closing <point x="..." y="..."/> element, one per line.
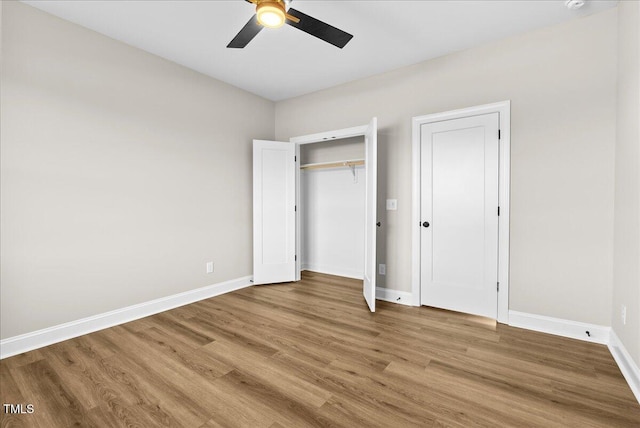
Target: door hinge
<point x="295" y="258"/>
<point x="295" y="158"/>
<point x="498" y="288"/>
<point x="295" y="208"/>
<point x="498" y="211"/>
<point x="498" y="134"/>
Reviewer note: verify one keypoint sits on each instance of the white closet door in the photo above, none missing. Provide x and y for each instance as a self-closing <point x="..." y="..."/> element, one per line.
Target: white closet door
<point x="274" y="216"/>
<point x="371" y="188"/>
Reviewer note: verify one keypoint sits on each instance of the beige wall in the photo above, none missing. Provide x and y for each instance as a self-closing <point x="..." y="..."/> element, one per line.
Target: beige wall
<point x="626" y="288"/>
<point x="561" y="81"/>
<point x="122" y="174"/>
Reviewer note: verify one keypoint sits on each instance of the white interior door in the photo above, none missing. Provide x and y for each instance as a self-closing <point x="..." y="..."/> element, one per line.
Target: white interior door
<point x="274" y="217"/>
<point x="459" y="214"/>
<point x="371" y="188"/>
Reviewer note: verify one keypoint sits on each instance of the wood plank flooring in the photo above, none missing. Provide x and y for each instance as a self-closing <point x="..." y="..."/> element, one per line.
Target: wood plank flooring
<point x="309" y="354"/>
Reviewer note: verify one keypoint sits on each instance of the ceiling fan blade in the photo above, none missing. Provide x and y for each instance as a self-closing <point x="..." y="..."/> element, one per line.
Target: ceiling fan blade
<point x="319" y="29"/>
<point x="248" y="32"/>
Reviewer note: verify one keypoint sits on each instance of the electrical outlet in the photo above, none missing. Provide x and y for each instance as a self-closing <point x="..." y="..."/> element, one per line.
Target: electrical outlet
<point x="382" y="269"/>
<point x="623" y="314"/>
<point x="392" y="204"/>
<point x="209" y="267"/>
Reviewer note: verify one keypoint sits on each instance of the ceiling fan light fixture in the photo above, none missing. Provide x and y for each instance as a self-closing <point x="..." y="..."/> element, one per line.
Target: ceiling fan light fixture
<point x="275" y="13"/>
<point x="271" y="14"/>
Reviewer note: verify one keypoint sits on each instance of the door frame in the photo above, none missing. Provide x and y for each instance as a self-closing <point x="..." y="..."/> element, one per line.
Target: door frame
<point x="503" y="109"/>
<point x="356" y="131"/>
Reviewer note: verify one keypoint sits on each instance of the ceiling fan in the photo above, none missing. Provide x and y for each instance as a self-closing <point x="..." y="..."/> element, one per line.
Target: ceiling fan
<point x="274" y="14"/>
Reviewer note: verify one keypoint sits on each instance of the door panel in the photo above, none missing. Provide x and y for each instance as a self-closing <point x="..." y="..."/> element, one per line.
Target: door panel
<point x="274" y="222"/>
<point x="459" y="201"/>
<point x="371" y="188"/>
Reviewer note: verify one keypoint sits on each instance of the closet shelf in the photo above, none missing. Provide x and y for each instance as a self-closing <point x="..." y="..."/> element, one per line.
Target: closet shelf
<point x="348" y="163"/>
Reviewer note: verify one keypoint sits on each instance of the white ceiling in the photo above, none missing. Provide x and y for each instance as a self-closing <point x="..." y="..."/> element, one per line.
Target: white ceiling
<point x="284" y="63"/>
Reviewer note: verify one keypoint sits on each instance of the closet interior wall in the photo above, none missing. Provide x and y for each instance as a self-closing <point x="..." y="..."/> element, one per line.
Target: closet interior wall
<point x="332" y="207"/>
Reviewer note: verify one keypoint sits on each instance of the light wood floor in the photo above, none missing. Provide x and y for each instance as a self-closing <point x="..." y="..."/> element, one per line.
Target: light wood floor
<point x="310" y="354"/>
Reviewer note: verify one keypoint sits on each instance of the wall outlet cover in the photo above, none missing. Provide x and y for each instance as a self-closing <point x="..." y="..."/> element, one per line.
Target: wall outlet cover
<point x="382" y="269"/>
<point x="392" y="204"/>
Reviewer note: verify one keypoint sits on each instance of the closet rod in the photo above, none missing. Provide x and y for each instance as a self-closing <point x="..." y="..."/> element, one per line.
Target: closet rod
<point x="338" y="164"/>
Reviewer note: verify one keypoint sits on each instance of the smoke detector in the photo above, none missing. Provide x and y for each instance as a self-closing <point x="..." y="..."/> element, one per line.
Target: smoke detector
<point x="574" y="4"/>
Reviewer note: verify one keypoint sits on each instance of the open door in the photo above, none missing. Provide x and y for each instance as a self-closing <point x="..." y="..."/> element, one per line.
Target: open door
<point x="371" y="188"/>
<point x="274" y="216"/>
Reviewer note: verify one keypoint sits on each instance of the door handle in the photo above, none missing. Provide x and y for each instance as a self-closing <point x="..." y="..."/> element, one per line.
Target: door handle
<point x="378" y="224"/>
<point x="425" y="224"/>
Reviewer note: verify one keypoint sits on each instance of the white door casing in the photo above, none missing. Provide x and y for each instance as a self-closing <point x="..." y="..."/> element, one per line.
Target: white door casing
<point x="503" y="109"/>
<point x="459" y="210"/>
<point x="274" y="219"/>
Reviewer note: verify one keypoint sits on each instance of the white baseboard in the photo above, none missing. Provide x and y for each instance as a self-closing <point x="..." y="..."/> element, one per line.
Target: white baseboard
<point x="329" y="270"/>
<point x="394" y="296"/>
<point x="560" y="327"/>
<point x="47" y="336"/>
<point x="628" y="367"/>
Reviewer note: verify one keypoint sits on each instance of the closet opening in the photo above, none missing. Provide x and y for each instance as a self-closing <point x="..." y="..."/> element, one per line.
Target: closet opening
<point x="332" y="207"/>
